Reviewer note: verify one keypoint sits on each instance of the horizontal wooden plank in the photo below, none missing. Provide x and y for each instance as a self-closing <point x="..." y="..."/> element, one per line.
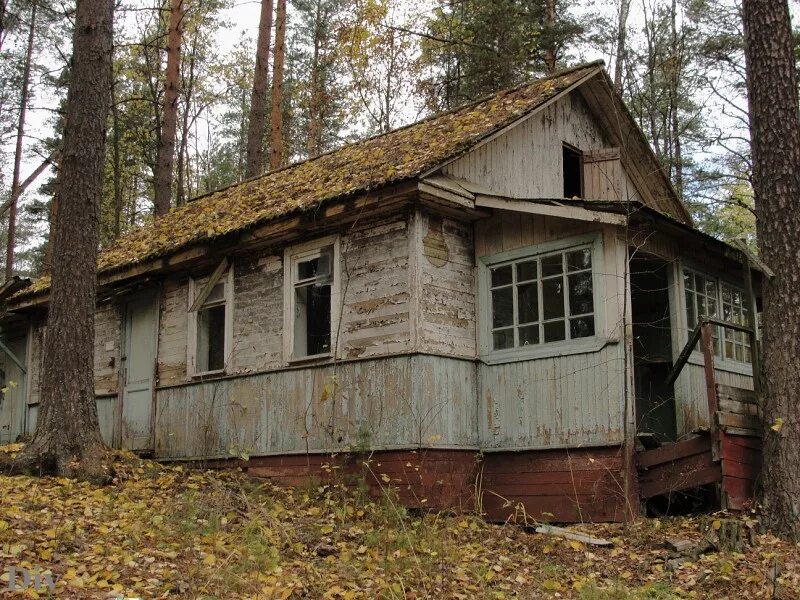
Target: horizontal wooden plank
<point x="746" y="441"/>
<point x="677" y="469"/>
<point x="671" y="452"/>
<point x="727" y="419"/>
<point x="736" y="394"/>
<point x="549" y="461"/>
<point x="732" y="468"/>
<point x="734" y="406"/>
<point x="569" y="490"/>
<point x="553" y="508"/>
<point x="737" y="487"/>
<point x="546" y="477"/>
<point x="740" y="454"/>
<point x="741" y="432"/>
<point x="687" y="481"/>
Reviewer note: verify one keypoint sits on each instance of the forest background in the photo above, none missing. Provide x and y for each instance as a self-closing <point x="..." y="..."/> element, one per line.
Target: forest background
<point x="351" y="69"/>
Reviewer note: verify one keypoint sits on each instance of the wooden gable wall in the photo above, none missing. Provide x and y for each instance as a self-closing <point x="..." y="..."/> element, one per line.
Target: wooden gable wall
<point x="526" y="161"/>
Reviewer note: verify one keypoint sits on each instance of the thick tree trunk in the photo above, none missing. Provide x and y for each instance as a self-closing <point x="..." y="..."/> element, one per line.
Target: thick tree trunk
<point x="276" y="118"/>
<point x="23" y="108"/>
<point x="775" y="140"/>
<point x="258" y="97"/>
<point x="169" y="114"/>
<point x="67" y="440"/>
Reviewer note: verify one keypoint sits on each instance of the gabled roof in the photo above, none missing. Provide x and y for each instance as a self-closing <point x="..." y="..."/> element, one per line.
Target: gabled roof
<point x="400" y="155"/>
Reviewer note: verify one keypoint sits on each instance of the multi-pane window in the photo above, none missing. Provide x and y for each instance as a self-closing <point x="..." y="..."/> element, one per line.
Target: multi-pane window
<point x="707" y="297"/>
<point x="542" y="299"/>
<point x="311" y="298"/>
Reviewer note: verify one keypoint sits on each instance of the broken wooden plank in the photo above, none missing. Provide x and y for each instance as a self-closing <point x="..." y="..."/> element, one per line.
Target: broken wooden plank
<point x="672" y="452"/>
<point x="573" y="535"/>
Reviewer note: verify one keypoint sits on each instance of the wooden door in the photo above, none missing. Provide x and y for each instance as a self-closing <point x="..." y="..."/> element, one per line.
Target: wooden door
<point x="12" y="392"/>
<point x="138" y="372"/>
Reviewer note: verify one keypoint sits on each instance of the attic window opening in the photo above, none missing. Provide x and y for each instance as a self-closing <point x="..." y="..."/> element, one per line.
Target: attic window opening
<point x="572" y="166"/>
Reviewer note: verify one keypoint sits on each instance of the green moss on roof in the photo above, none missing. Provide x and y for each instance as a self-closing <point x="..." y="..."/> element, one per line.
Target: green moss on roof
<point x="356" y="168"/>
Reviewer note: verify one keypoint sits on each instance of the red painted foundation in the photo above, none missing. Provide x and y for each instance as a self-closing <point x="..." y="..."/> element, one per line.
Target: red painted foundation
<point x="576" y="485"/>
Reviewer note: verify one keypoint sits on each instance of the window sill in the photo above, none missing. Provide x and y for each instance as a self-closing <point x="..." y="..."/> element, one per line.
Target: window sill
<point x="315" y="358"/>
<point x="729" y="366"/>
<point x="581" y="346"/>
<point x="208" y="374"/>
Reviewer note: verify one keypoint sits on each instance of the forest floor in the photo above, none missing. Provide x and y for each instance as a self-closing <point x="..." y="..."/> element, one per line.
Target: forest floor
<point x="162" y="531"/>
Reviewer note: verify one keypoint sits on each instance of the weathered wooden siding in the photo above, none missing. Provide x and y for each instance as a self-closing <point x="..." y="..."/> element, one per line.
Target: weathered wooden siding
<point x="257" y="314"/>
<point x="377" y="403"/>
<point x="12" y="400"/>
<point x="173" y="322"/>
<point x="574" y="400"/>
<point x="691" y="404"/>
<point x="106" y="349"/>
<point x="526" y="162"/>
<point x="445" y="279"/>
<point x="563" y="400"/>
<point x="376" y="288"/>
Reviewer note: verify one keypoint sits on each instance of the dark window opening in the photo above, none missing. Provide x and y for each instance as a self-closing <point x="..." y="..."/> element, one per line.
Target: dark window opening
<point x="572" y="172"/>
<point x="210" y="343"/>
<point x="312" y="289"/>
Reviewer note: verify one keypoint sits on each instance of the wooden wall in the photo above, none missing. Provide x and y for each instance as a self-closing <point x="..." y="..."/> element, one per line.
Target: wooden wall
<point x="563" y="400"/>
<point x="382" y="403"/>
<point x="526" y="162"/>
<point x="444" y="264"/>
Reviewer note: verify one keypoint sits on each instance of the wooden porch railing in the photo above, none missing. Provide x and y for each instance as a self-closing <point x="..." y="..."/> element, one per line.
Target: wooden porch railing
<point x="703" y="330"/>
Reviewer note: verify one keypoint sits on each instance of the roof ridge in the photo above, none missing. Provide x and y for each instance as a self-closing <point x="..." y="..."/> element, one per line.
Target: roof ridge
<point x="559" y="73"/>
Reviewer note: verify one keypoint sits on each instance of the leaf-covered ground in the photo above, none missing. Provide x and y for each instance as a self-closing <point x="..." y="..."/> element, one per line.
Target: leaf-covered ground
<point x="161" y="532"/>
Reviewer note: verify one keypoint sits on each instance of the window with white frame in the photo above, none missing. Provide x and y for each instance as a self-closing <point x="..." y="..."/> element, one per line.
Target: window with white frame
<point x="311" y="299"/>
<point x="210" y="324"/>
<point x="711" y="297"/>
<point x="541" y="298"/>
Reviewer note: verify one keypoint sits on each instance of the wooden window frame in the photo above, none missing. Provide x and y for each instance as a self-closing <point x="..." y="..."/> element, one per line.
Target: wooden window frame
<point x="543" y="349"/>
<point x="196" y="286"/>
<point x="291" y="256"/>
<point x="724" y="362"/>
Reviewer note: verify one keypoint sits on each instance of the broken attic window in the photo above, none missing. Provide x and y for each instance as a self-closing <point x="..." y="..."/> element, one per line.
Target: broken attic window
<point x="572" y="165"/>
<point x="313" y="283"/>
<point x="210" y="349"/>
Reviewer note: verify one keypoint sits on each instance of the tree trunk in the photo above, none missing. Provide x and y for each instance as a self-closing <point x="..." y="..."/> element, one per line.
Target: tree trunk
<point x="23" y="107"/>
<point x="775" y="141"/>
<point x="622" y="35"/>
<point x="276" y="119"/>
<point x="188" y="87"/>
<point x="550" y="50"/>
<point x="314" y="104"/>
<point x="169" y="114"/>
<point x="675" y="84"/>
<point x="67" y="440"/>
<point x="117" y="161"/>
<point x="258" y="97"/>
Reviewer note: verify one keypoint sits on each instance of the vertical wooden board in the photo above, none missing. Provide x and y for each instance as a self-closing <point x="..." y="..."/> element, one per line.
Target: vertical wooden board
<point x="106" y="413"/>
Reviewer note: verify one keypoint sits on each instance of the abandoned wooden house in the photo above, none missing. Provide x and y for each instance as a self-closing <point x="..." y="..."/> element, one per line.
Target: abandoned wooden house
<point x="491" y="304"/>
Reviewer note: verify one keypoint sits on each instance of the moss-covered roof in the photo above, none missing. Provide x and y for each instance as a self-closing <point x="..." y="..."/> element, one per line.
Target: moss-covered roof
<point x="370" y="164"/>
